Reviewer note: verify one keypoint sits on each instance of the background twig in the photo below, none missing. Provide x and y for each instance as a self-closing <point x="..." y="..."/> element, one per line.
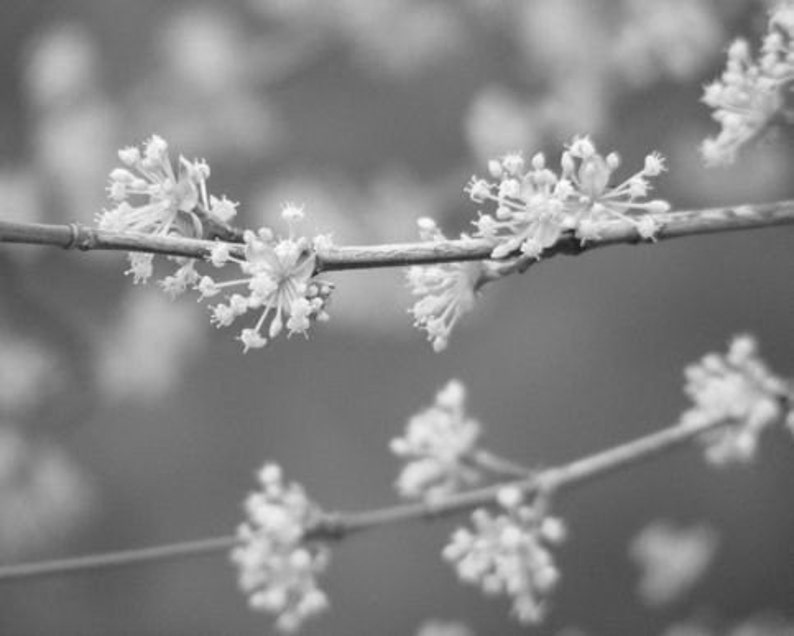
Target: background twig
<point x="334" y="526"/>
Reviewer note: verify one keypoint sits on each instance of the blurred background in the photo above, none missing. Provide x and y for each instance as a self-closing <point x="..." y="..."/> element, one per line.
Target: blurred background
<point x="126" y="420"/>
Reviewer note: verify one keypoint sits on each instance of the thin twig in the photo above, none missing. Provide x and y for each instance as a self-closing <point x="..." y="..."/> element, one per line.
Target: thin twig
<point x="499" y="465"/>
<point x="335" y="526"/>
<point x="94" y="562"/>
<point x="673" y="225"/>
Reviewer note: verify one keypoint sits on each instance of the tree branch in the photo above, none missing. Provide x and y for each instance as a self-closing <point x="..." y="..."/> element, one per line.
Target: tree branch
<point x="338" y="525"/>
<point x="673" y="225"/>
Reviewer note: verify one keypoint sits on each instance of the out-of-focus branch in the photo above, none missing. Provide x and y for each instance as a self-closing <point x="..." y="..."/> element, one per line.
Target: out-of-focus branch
<point x="672" y="225"/>
<point x="338" y="525"/>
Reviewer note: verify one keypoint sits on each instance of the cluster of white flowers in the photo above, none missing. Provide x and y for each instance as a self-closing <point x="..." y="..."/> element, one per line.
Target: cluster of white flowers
<point x="447" y="291"/>
<point x="152" y="198"/>
<point x="751" y="94"/>
<point x="736" y="389"/>
<point x="277" y="567"/>
<point x="508" y="553"/>
<point x="535" y="206"/>
<point x="278" y="273"/>
<point x="671" y="559"/>
<point x="278" y="276"/>
<point x="438" y="444"/>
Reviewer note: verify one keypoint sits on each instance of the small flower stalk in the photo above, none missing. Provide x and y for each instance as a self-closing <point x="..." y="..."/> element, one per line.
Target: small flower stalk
<point x="438" y="446"/>
<point x="508" y="553"/>
<point x="277" y="283"/>
<point x="277" y="567"/>
<point x="739" y="390"/>
<point x="751" y="94"/>
<point x="446" y="291"/>
<point x="535" y="206"/>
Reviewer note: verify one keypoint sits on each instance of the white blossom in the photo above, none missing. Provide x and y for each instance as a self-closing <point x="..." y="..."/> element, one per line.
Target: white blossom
<point x="738" y="390"/>
<point x="535" y="208"/>
<point x="446" y="291"/>
<point x="44" y="495"/>
<point x="278" y="567"/>
<point x="436" y="445"/>
<point x="278" y="283"/>
<point x="152" y="198"/>
<point x="750" y="95"/>
<point x="507" y="553"/>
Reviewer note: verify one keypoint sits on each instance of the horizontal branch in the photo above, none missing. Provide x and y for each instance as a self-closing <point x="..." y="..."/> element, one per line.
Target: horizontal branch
<point x="672" y="225"/>
<point x="338" y="525"/>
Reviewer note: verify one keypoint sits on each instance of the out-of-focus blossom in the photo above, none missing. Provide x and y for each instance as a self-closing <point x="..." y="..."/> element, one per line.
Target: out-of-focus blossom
<point x="202" y="92"/>
<point x="278" y="568"/>
<point x="403" y="38"/>
<point x="693" y="181"/>
<point x="545" y="30"/>
<point x="62" y="66"/>
<point x="438" y="445"/>
<point x="144" y="355"/>
<point x="667" y="38"/>
<point x="68" y="106"/>
<point x="28" y="374"/>
<point x="44" y="495"/>
<point x="75" y="187"/>
<point x="574" y="102"/>
<point x="436" y="627"/>
<point x="499" y="120"/>
<point x="394" y="37"/>
<point x="751" y="93"/>
<point x="204" y="47"/>
<point x="671" y="560"/>
<point x="21" y="197"/>
<point x="508" y="554"/>
<point x="736" y="389"/>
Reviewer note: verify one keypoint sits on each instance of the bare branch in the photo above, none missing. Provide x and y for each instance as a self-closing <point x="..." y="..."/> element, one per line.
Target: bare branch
<point x="673" y="225"/>
<point x="336" y="526"/>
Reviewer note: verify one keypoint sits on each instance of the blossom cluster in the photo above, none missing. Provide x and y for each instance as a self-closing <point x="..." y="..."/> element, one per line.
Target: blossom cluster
<point x="278" y="279"/>
<point x="738" y="390"/>
<point x="438" y="445"/>
<point x="278" y="569"/>
<point x="750" y="95"/>
<point x="277" y="273"/>
<point x="535" y="206"/>
<point x="447" y="291"/>
<point x="508" y="553"/>
<point x="152" y="198"/>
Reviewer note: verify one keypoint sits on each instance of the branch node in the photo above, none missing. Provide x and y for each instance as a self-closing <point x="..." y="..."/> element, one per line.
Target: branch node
<point x="74" y="233"/>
